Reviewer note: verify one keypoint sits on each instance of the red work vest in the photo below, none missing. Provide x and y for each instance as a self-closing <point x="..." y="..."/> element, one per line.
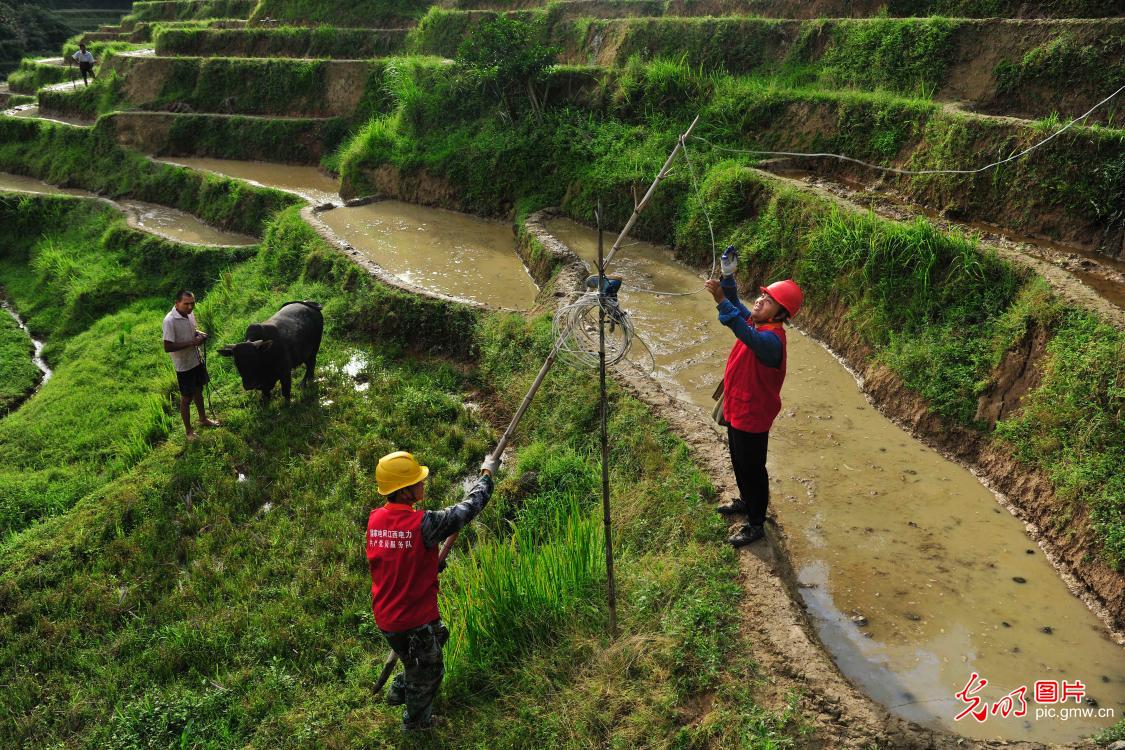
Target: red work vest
<point x="404" y="571"/>
<point x="752" y="391"/>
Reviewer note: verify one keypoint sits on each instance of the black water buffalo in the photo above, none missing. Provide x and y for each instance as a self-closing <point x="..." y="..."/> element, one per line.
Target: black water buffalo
<point x="272" y="349"/>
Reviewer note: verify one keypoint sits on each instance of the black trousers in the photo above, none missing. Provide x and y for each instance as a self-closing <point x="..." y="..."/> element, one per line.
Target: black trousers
<point x="748" y="457"/>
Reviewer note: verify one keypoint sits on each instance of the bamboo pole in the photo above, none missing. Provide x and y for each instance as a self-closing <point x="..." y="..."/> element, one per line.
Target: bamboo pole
<point x="651" y="190"/>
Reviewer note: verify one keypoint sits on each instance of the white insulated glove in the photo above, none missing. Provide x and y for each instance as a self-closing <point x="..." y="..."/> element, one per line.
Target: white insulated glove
<point x="728" y="261"/>
<point x="491" y="465"/>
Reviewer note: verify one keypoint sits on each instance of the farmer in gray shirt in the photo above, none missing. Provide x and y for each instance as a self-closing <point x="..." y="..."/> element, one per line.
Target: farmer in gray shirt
<point x="182" y="341"/>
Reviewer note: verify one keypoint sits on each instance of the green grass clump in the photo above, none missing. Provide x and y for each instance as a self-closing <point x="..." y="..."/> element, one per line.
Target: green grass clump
<point x="1071" y="425"/>
<point x="188" y="10"/>
<point x="31" y="76"/>
<point x="18" y="375"/>
<point x="381" y="14"/>
<point x="284" y="41"/>
<point x="1061" y="63"/>
<point x="908" y="56"/>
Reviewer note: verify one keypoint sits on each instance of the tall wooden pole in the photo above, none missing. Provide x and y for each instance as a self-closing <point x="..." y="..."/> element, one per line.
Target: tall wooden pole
<point x="612" y="589"/>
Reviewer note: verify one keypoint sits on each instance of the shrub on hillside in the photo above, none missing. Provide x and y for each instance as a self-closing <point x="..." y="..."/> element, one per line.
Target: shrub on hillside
<point x="507" y="58"/>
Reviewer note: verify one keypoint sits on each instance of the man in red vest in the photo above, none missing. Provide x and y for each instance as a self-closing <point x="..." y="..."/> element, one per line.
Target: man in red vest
<point x="752" y="388"/>
<point x="402" y="554"/>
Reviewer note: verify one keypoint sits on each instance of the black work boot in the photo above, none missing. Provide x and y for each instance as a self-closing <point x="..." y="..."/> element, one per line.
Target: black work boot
<point x="734" y="507"/>
<point x="396" y="693"/>
<point x="748" y="534"/>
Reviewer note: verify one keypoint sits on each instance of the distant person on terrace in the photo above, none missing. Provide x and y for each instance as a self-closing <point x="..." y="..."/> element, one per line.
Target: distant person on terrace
<point x="85" y="60"/>
<point x="182" y="341"/>
<point x="404" y="560"/>
<point x="752" y="387"/>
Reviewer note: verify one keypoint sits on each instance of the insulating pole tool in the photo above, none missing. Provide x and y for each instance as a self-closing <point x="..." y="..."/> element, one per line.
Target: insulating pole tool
<point x="527" y="399"/>
<point x="652" y="189"/>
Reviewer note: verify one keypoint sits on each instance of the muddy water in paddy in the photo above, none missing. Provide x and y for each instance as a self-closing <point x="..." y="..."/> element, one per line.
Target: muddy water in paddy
<point x="882" y="527"/>
<point x="180" y="226"/>
<point x="308" y="182"/>
<point x="443" y="251"/>
<point x="160" y="220"/>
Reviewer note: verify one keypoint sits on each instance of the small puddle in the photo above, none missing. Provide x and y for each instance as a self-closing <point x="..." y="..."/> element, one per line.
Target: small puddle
<point x="308" y="182"/>
<point x="883" y="528"/>
<point x="37" y="353"/>
<point x="443" y="251"/>
<point x="150" y="217"/>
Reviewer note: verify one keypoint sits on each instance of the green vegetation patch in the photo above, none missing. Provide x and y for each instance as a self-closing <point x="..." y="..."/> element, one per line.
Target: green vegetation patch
<point x="18" y="374"/>
<point x="289" y="140"/>
<point x="1004" y="8"/>
<point x="31" y="75"/>
<point x="91" y="159"/>
<point x="1061" y="63"/>
<point x="1071" y="425"/>
<point x="188" y="10"/>
<point x="286" y="41"/>
<point x="381" y="14"/>
<point x="904" y="55"/>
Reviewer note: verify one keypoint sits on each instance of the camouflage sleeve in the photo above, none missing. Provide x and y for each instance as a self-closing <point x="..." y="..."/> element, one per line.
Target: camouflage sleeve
<point x="438" y="525"/>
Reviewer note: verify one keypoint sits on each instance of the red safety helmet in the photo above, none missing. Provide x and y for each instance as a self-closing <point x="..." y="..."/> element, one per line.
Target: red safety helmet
<point x="787" y="294"/>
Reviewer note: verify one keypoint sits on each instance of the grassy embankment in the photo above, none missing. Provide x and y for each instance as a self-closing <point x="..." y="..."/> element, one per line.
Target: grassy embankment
<point x="1003" y="8"/>
<point x="187" y="10"/>
<point x="90" y="159"/>
<point x="909" y="56"/>
<point x="200" y="610"/>
<point x="351" y="92"/>
<point x="1073" y="190"/>
<point x="286" y="41"/>
<point x="379" y="14"/>
<point x="31" y="75"/>
<point x="910" y="290"/>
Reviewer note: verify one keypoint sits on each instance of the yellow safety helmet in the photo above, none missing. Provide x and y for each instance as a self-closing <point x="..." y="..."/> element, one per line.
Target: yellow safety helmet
<point x="397" y="470"/>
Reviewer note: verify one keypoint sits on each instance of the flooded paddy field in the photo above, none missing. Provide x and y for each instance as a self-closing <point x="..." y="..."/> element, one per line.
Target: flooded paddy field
<point x="159" y="220"/>
<point x="443" y="251"/>
<point x="308" y="182"/>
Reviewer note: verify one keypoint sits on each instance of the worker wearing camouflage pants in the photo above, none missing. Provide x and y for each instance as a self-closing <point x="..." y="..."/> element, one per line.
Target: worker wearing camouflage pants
<point x="402" y="555"/>
<point x="420" y="652"/>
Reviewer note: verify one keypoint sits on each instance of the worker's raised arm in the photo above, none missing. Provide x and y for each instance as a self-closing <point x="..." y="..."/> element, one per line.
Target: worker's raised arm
<point x="437" y="525"/>
<point x="730" y="291"/>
